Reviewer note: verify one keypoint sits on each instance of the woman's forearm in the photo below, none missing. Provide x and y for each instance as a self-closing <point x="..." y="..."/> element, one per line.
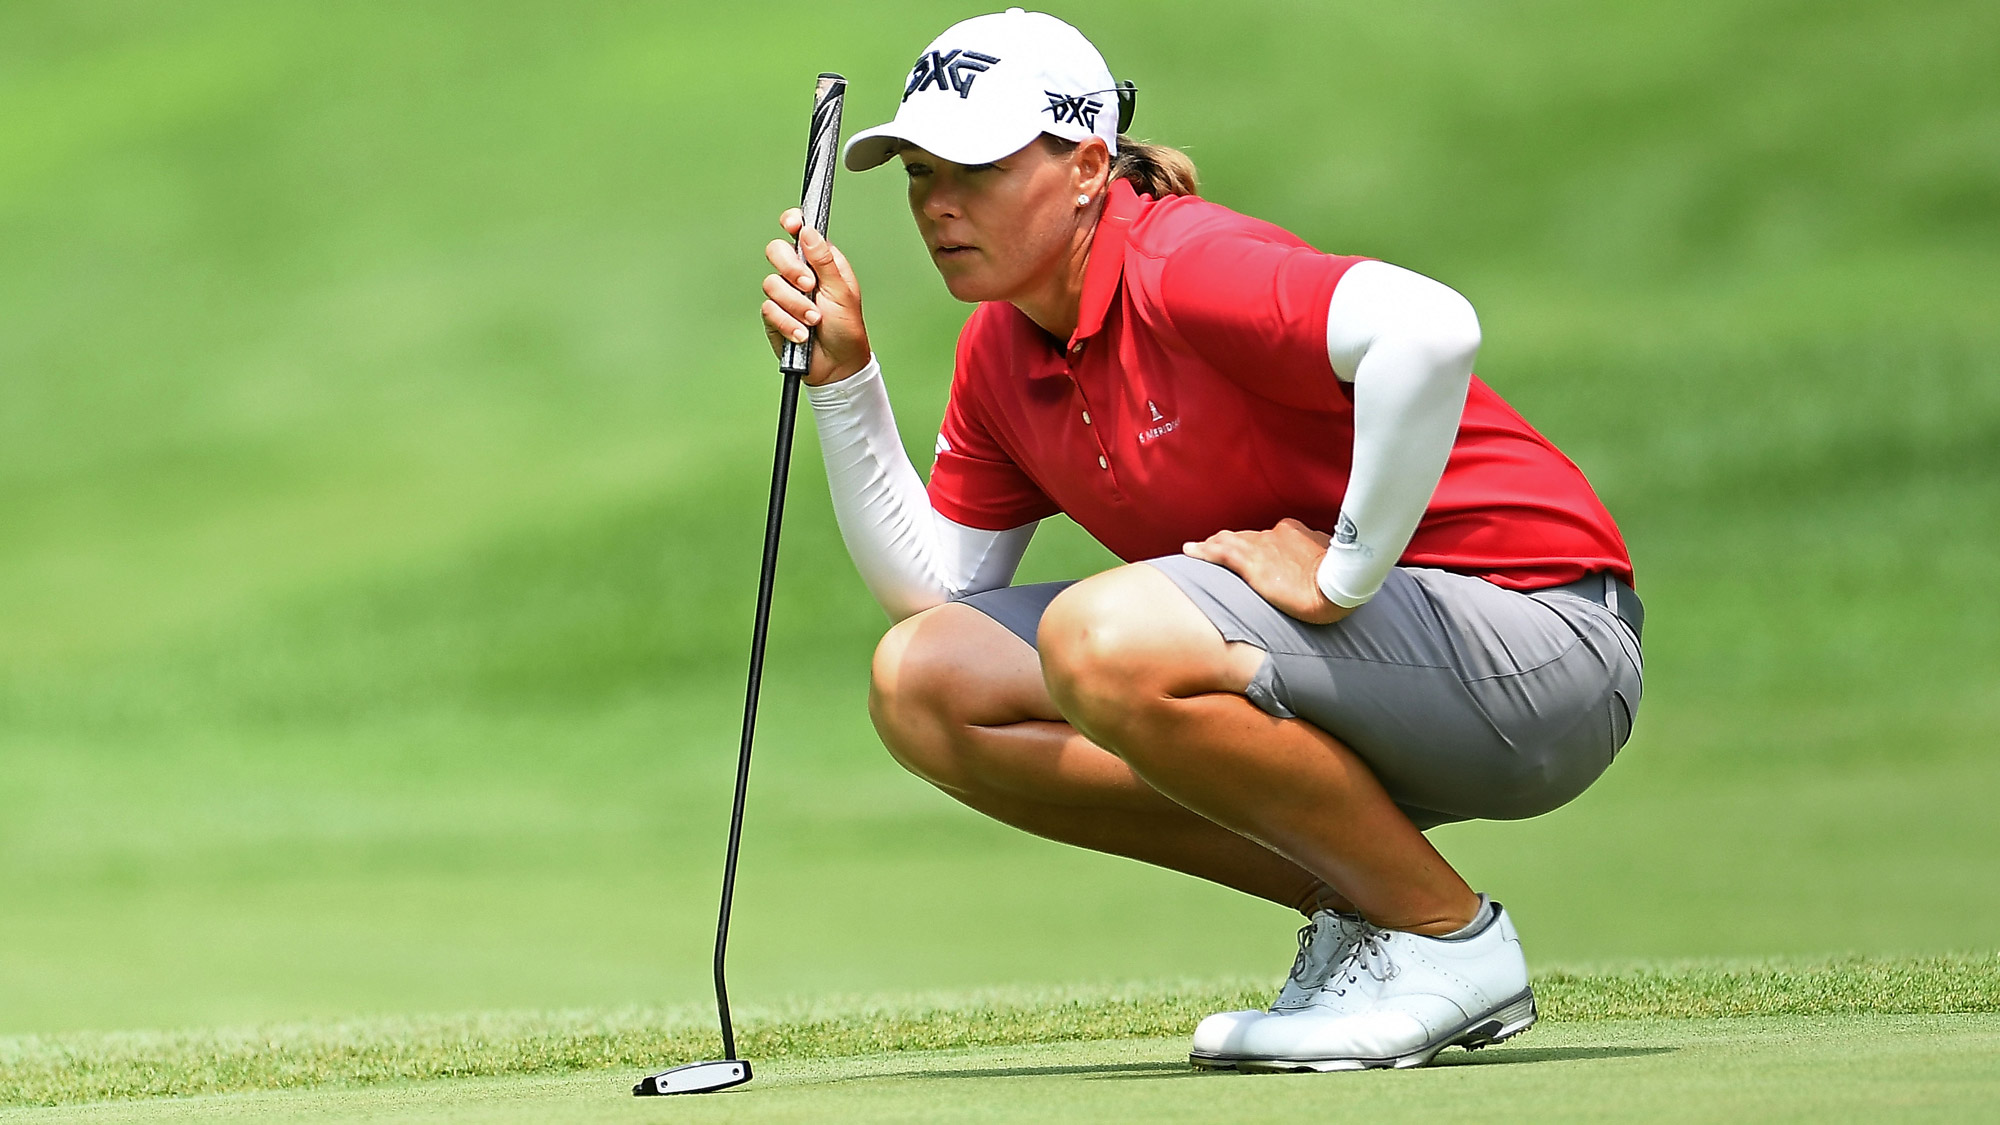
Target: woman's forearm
<point x="1407" y="344"/>
<point x="910" y="557"/>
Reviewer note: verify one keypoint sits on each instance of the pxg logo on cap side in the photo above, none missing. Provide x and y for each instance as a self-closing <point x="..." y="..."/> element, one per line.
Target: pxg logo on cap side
<point x="1080" y="108"/>
<point x="947" y="70"/>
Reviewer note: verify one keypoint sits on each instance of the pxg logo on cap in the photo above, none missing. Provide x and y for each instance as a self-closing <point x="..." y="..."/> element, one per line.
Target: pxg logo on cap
<point x="1080" y="108"/>
<point x="953" y="70"/>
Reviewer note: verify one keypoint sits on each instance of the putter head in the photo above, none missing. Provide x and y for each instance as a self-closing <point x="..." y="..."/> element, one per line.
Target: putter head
<point x="694" y="1078"/>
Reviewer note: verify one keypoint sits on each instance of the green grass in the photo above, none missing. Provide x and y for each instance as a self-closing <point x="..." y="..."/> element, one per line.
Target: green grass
<point x="91" y="1067"/>
<point x="383" y="428"/>
<point x="1843" y="1068"/>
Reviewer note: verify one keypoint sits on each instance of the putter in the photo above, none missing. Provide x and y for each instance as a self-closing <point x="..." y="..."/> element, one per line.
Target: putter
<point x="816" y="201"/>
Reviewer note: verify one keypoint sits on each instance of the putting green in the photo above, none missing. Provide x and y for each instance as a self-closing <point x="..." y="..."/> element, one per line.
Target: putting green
<point x="1873" y="1068"/>
<point x="813" y="1056"/>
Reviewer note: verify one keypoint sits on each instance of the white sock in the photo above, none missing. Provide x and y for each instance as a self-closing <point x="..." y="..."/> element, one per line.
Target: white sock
<point x="1481" y="918"/>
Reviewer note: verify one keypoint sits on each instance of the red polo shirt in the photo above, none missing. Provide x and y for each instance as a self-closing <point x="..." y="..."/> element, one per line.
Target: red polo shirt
<point x="1196" y="396"/>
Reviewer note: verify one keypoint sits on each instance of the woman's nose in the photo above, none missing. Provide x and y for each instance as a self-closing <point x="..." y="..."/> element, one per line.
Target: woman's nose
<point x="940" y="203"/>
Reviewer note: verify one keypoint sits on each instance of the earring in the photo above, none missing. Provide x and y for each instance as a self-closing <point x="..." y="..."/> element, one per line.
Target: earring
<point x="1083" y="201"/>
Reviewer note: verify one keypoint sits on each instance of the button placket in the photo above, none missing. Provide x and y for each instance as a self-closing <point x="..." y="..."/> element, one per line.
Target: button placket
<point x="1076" y="350"/>
<point x="1103" y="454"/>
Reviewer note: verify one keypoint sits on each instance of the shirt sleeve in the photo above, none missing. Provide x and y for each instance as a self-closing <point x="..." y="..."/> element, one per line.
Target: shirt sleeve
<point x="1407" y="344"/>
<point x="1256" y="309"/>
<point x="973" y="481"/>
<point x="910" y="556"/>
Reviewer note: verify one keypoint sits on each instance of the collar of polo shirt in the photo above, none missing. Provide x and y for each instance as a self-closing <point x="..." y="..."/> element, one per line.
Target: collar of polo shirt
<point x="991" y="84"/>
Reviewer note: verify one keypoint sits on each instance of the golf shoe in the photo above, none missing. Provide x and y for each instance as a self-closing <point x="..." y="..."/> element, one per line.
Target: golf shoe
<point x="1324" y="943"/>
<point x="1398" y="998"/>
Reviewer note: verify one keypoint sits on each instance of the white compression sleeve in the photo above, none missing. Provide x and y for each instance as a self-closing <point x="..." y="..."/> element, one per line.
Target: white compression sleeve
<point x="910" y="557"/>
<point x="1406" y="343"/>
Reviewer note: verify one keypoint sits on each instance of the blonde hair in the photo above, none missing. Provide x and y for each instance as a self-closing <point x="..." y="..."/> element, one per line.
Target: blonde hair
<point x="1155" y="170"/>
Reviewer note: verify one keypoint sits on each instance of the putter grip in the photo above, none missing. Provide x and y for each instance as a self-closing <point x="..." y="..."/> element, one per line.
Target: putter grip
<point x="816" y="198"/>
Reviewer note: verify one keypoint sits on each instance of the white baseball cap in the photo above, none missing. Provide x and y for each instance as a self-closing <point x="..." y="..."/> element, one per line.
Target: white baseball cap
<point x="991" y="84"/>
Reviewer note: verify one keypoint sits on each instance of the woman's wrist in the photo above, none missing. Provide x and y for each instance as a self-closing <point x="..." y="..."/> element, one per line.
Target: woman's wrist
<point x="843" y="389"/>
<point x="844" y="371"/>
<point x="1336" y="575"/>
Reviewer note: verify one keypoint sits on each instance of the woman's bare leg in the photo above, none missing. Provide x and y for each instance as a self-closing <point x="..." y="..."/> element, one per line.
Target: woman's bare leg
<point x="961" y="702"/>
<point x="1136" y="667"/>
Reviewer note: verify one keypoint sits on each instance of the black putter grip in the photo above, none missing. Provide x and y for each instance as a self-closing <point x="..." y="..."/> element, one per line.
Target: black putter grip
<point x="816" y="199"/>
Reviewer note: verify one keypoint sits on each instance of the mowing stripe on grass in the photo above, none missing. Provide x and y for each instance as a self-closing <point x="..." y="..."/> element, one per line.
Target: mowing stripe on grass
<point x="86" y="1067"/>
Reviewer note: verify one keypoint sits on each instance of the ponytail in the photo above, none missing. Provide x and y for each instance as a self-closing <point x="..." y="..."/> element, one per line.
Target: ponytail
<point x="1155" y="170"/>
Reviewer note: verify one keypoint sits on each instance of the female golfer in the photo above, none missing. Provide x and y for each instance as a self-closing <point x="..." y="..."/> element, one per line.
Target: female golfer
<point x="1364" y="596"/>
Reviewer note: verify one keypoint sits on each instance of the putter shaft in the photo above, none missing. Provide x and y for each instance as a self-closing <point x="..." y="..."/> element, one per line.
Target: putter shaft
<point x="774" y="518"/>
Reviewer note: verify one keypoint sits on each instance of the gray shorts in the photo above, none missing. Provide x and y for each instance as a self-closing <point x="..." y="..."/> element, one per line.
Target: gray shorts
<point x="1469" y="701"/>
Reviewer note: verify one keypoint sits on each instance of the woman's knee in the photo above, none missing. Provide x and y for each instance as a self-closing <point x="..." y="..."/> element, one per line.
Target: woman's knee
<point x="904" y="700"/>
<point x="929" y="685"/>
<point x="1117" y="648"/>
<point x="1087" y="650"/>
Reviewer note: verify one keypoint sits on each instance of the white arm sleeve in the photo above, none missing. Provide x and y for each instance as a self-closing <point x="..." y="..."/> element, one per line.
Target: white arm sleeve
<point x="911" y="557"/>
<point x="1406" y="343"/>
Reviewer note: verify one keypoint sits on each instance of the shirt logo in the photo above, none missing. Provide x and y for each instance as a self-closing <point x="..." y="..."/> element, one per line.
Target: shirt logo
<point x="1165" y="426"/>
<point x="1345" y="533"/>
<point x="947" y="70"/>
<point x="1080" y="108"/>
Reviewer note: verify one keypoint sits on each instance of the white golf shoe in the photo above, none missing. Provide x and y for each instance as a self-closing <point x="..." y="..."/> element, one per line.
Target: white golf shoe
<point x="1324" y="943"/>
<point x="1400" y="998"/>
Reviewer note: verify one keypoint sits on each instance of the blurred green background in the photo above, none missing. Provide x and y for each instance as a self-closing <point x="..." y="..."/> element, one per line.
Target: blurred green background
<point x="384" y="426"/>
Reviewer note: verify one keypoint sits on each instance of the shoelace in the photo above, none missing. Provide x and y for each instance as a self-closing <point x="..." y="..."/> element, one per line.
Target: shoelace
<point x="1369" y="954"/>
<point x="1302" y="964"/>
<point x="1311" y="968"/>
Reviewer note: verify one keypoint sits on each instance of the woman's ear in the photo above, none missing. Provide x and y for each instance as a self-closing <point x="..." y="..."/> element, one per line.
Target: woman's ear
<point x="1091" y="160"/>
